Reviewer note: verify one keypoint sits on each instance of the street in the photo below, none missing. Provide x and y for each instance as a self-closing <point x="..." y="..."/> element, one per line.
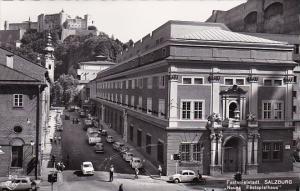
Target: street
<point x="75" y="150"/>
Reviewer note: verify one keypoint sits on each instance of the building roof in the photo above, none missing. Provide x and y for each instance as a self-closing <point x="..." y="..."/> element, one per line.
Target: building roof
<point x="217" y="34"/>
<point x="11" y="76"/>
<point x="100" y="62"/>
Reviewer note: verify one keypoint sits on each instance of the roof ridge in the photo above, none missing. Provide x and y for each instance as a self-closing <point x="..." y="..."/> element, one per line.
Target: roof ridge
<point x="19" y="72"/>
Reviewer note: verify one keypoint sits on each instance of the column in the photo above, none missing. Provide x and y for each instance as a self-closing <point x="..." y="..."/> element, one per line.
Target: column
<point x="220" y="150"/>
<point x="125" y="125"/>
<point x="173" y="105"/>
<point x="255" y="150"/>
<point x="213" y="149"/>
<point x="214" y="78"/>
<point x="102" y="112"/>
<point x="253" y="98"/>
<point x="288" y="104"/>
<point x="249" y="149"/>
<point x="223" y="108"/>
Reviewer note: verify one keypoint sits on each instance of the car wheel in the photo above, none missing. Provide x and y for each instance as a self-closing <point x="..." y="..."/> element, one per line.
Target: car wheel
<point x="176" y="181"/>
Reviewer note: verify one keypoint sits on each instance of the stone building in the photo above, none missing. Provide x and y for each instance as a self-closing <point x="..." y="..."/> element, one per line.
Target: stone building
<point x="22" y="86"/>
<point x="199" y="90"/>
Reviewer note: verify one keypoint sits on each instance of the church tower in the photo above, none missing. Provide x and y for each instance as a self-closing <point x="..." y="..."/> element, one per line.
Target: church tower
<point x="49" y="57"/>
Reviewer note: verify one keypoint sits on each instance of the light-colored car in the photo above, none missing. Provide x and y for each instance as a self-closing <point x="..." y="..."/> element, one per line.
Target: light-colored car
<point x="93" y="138"/>
<point x="87" y="168"/>
<point x="117" y="145"/>
<point x="136" y="162"/>
<point x="109" y="139"/>
<point x="19" y="183"/>
<point x="127" y="156"/>
<point x="99" y="148"/>
<point x="183" y="176"/>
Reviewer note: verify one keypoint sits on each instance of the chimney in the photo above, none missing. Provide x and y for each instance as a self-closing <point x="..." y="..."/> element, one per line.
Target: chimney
<point x="10" y="60"/>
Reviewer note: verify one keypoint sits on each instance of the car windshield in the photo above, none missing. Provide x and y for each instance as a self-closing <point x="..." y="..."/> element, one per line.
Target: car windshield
<point x="94" y="134"/>
<point x="87" y="165"/>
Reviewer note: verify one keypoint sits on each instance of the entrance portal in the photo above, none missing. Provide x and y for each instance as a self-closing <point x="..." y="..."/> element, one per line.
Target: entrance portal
<point x="233" y="155"/>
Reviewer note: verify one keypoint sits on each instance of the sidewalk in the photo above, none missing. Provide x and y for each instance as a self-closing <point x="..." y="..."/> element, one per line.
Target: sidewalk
<point x="50" y="148"/>
<point x="150" y="169"/>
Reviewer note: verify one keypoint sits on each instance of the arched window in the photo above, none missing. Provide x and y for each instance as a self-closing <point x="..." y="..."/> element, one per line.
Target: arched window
<point x="273" y="10"/>
<point x="232" y="108"/>
<point x="251" y="18"/>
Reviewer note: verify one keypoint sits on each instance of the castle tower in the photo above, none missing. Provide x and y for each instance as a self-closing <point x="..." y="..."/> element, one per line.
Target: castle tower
<point x="49" y="57"/>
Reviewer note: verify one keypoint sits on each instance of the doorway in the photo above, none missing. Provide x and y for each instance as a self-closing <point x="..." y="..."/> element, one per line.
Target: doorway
<point x="233" y="155"/>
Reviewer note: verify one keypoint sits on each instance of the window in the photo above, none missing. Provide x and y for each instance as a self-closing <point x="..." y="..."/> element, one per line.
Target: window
<point x="18" y="100"/>
<point x="160" y="151"/>
<point x="198" y="110"/>
<point x="240" y="82"/>
<point x="197" y="152"/>
<point x="272" y="151"/>
<point x="148" y="144"/>
<point x="16" y="156"/>
<point x="294" y="108"/>
<point x="149" y="82"/>
<point x="277" y="82"/>
<point x="267" y="111"/>
<point x="132" y="101"/>
<point x="186" y="80"/>
<point x="161" y="108"/>
<point x="273" y="110"/>
<point x="278" y="110"/>
<point x="132" y="84"/>
<point x="186" y="110"/>
<point x="140" y="105"/>
<point x="131" y="132"/>
<point x="161" y="82"/>
<point x="198" y="80"/>
<point x="228" y="81"/>
<point x="294" y="93"/>
<point x="185" y="151"/>
<point x="139" y="138"/>
<point x="296" y="48"/>
<point x="149" y="105"/>
<point x="140" y="83"/>
<point x="127" y="84"/>
<point x="126" y="100"/>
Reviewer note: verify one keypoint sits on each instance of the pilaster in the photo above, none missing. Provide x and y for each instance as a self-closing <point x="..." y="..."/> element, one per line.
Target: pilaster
<point x="173" y="105"/>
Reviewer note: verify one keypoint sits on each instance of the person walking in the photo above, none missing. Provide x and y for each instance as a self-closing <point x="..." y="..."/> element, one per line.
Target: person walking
<point x="136" y="173"/>
<point x="159" y="170"/>
<point x="121" y="187"/>
<point x="111" y="173"/>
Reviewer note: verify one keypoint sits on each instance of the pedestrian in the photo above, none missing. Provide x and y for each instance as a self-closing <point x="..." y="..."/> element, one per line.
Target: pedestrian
<point x="136" y="173"/>
<point x="199" y="175"/>
<point x="159" y="170"/>
<point x="121" y="187"/>
<point x="111" y="173"/>
<point x="73" y="120"/>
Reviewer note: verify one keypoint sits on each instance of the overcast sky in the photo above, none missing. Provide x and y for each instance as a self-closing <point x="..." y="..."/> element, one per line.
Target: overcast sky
<point x="124" y="19"/>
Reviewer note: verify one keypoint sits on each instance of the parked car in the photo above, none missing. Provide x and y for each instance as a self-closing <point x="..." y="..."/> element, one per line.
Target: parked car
<point x="109" y="139"/>
<point x="103" y="132"/>
<point x="93" y="138"/>
<point x="99" y="148"/>
<point x="19" y="183"/>
<point x="88" y="123"/>
<point x="127" y="156"/>
<point x="117" y="145"/>
<point x="82" y="114"/>
<point x="136" y="162"/>
<point x="87" y="168"/>
<point x="184" y="176"/>
<point x="123" y="149"/>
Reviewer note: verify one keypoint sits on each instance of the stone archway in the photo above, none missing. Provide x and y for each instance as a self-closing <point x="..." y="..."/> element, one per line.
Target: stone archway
<point x="234" y="155"/>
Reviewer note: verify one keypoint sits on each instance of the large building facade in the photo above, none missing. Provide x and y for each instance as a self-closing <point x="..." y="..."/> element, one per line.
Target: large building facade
<point x="22" y="114"/>
<point x="199" y="90"/>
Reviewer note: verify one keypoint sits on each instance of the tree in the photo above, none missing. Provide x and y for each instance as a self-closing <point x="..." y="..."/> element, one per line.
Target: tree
<point x="64" y="90"/>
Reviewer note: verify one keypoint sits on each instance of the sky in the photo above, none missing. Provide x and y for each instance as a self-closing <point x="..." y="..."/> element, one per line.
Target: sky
<point x="124" y="19"/>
